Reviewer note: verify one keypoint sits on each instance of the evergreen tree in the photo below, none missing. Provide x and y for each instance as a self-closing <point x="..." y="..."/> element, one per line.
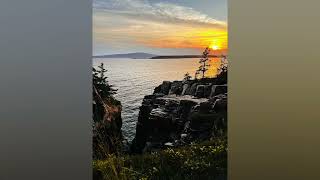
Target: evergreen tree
<point x="203" y="68"/>
<point x="187" y="77"/>
<point x="196" y="74"/>
<point x="222" y="75"/>
<point x="100" y="83"/>
<point x="223" y="65"/>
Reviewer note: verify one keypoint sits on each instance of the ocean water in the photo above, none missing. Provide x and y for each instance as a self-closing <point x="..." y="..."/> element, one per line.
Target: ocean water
<point x="135" y="78"/>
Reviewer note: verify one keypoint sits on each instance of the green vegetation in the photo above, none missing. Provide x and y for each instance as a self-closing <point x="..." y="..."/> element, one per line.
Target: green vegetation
<point x="187" y="77"/>
<point x="205" y="160"/>
<point x="106" y="119"/>
<point x="100" y="83"/>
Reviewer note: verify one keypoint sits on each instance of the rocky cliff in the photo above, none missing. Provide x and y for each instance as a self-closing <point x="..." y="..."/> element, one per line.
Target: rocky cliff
<point x="107" y="122"/>
<point x="180" y="112"/>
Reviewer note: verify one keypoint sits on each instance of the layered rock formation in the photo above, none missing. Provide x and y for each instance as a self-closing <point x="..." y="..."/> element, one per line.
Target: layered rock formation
<point x="180" y="112"/>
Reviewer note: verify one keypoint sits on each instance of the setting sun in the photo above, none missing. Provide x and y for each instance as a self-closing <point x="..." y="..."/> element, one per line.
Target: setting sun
<point x="214" y="47"/>
<point x="217" y="44"/>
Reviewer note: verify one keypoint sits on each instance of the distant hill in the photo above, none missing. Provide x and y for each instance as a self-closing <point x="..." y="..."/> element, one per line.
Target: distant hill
<point x="181" y="56"/>
<point x="137" y="55"/>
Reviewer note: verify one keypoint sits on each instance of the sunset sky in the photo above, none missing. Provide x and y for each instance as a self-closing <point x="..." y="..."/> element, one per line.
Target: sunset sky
<point x="162" y="27"/>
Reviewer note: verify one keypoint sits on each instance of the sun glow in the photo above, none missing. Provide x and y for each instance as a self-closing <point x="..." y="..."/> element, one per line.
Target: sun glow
<point x="214" y="47"/>
<point x="215" y="44"/>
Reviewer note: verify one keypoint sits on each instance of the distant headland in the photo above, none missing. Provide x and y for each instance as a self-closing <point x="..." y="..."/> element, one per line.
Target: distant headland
<point x="182" y="56"/>
<point x="140" y="55"/>
<point x="137" y="55"/>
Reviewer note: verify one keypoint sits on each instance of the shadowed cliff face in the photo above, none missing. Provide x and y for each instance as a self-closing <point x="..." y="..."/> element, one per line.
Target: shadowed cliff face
<point x="107" y="124"/>
<point x="106" y="119"/>
<point x="180" y="112"/>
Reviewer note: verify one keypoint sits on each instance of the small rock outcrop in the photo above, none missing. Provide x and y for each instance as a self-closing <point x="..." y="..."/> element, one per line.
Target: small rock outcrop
<point x="180" y="112"/>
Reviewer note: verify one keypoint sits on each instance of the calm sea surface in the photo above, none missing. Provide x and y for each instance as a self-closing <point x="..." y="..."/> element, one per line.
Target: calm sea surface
<point x="135" y="78"/>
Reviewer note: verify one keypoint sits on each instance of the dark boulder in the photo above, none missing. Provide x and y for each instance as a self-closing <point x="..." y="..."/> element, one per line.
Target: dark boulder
<point x="176" y="88"/>
<point x="185" y="89"/>
<point x="142" y="129"/>
<point x="200" y="91"/>
<point x="207" y="90"/>
<point x="191" y="90"/>
<point x="218" y="89"/>
<point x="165" y="87"/>
<point x="221" y="103"/>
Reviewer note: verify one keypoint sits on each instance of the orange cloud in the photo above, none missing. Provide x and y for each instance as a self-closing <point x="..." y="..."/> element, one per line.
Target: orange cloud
<point x="174" y="31"/>
<point x="196" y="38"/>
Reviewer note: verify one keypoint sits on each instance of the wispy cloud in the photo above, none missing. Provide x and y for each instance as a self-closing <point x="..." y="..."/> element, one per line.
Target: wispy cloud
<point x="160" y="25"/>
<point x="162" y="12"/>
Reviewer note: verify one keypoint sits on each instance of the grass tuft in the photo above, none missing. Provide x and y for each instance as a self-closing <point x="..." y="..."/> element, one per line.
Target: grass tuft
<point x="206" y="160"/>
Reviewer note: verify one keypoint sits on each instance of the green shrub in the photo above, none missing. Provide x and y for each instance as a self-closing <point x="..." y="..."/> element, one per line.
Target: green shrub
<point x="207" y="160"/>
